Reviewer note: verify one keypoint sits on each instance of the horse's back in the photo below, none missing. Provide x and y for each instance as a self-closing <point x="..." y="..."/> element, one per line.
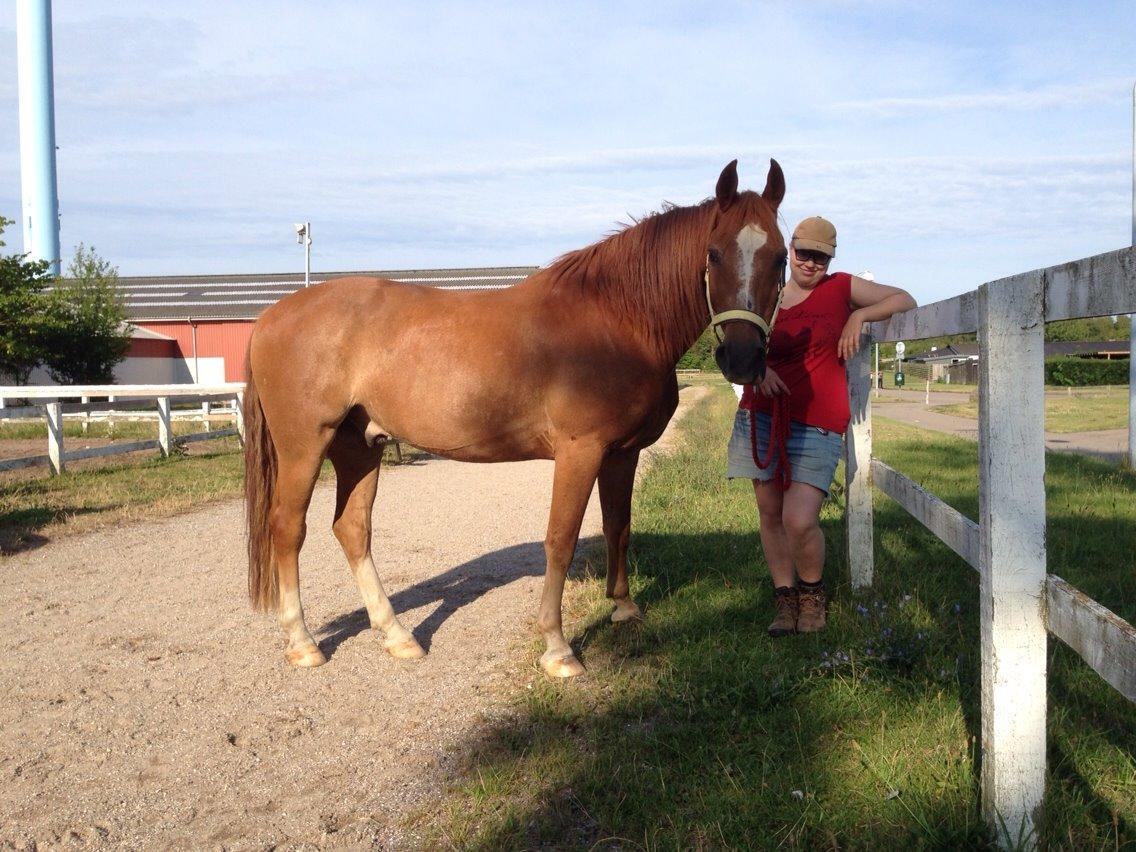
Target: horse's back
<point x="451" y="371"/>
<point x="476" y="375"/>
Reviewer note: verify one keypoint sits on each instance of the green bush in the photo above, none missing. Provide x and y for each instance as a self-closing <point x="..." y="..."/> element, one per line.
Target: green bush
<point x="700" y="356"/>
<point x="1070" y="370"/>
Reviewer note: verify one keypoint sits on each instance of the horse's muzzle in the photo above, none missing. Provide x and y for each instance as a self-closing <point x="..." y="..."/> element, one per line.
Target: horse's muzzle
<point x="741" y="363"/>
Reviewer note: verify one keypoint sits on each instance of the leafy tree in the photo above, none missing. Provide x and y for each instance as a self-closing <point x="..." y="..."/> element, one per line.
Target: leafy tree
<point x="23" y="285"/>
<point x="1094" y="328"/>
<point x="86" y="334"/>
<point x="700" y="356"/>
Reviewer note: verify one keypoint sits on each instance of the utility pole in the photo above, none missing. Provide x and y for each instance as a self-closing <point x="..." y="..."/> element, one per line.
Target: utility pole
<point x="37" y="131"/>
<point x="304" y="238"/>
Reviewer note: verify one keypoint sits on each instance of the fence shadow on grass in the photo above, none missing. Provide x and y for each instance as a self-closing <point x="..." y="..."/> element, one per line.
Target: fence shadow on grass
<point x="19" y="527"/>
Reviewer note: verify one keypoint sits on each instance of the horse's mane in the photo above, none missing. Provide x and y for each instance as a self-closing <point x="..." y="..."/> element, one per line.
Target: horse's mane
<point x="649" y="271"/>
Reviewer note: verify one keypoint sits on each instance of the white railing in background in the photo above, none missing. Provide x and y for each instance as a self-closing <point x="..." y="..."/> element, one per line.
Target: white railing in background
<point x="1020" y="602"/>
<point x="121" y="399"/>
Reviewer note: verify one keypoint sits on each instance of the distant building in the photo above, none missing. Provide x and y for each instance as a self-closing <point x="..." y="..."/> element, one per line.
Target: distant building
<point x="958" y="362"/>
<point x="197" y="328"/>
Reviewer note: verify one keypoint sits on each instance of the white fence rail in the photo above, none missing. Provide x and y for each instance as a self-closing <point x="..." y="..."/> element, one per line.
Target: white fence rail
<point x="1020" y="602"/>
<point x="121" y="398"/>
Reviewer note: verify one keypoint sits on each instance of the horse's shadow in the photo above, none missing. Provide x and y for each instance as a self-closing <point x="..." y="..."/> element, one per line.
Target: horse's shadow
<point x="452" y="590"/>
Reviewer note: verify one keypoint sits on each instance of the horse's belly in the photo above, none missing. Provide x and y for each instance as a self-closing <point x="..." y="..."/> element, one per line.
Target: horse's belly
<point x="458" y="436"/>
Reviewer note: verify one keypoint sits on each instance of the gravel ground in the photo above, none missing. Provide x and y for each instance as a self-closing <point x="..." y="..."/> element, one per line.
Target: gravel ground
<point x="143" y="705"/>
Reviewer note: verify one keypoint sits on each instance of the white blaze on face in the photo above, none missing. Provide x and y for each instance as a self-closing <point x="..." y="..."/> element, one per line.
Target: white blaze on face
<point x="750" y="240"/>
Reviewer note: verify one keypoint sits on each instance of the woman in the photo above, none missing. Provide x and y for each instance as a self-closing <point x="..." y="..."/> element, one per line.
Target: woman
<point x="817" y="327"/>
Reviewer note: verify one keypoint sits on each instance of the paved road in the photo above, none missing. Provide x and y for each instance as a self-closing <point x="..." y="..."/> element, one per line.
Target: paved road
<point x="909" y="407"/>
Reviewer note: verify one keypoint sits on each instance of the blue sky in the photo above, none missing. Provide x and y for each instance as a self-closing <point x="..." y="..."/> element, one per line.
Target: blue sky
<point x="950" y="143"/>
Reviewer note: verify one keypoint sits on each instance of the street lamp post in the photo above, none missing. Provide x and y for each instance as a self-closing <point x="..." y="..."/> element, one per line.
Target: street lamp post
<point x="304" y="238"/>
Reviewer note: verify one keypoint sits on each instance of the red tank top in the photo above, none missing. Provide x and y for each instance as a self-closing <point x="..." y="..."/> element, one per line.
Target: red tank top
<point x="802" y="350"/>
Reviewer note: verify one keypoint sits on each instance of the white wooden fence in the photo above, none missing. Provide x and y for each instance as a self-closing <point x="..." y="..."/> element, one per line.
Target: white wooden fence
<point x="1020" y="602"/>
<point x="120" y="398"/>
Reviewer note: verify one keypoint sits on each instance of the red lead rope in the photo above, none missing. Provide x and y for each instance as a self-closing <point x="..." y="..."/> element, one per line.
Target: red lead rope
<point x="778" y="440"/>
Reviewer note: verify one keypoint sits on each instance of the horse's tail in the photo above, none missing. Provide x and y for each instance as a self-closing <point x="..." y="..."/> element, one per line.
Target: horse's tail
<point x="260" y="483"/>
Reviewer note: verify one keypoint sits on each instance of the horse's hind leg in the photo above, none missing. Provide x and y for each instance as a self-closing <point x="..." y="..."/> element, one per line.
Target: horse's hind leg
<point x="357" y="476"/>
<point x="617" y="478"/>
<point x="295" y="480"/>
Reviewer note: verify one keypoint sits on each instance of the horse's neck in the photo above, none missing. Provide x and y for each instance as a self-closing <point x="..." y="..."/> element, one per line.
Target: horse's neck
<point x="655" y="285"/>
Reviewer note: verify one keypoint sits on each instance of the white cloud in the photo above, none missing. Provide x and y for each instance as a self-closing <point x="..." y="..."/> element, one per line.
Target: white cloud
<point x="1045" y="97"/>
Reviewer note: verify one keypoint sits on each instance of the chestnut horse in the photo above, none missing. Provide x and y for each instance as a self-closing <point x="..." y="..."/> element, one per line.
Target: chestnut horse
<point x="574" y="364"/>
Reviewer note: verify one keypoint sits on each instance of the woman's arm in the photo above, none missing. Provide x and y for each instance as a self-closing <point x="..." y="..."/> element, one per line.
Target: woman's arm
<point x="872" y="302"/>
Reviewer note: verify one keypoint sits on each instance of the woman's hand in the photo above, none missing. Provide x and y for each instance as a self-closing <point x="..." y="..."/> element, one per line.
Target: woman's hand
<point x="849" y="343"/>
<point x="772" y="385"/>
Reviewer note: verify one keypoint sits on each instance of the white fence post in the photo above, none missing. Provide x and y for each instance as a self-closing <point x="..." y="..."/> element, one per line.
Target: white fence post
<point x="239" y="408"/>
<point x="206" y="410"/>
<point x="858" y="469"/>
<point x="1011" y="474"/>
<point x="55" y="436"/>
<point x="164" y="430"/>
<point x="1132" y="391"/>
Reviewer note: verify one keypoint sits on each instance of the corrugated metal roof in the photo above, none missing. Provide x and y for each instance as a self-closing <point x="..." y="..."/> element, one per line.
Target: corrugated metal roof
<point x="245" y="296"/>
<point x="1113" y="348"/>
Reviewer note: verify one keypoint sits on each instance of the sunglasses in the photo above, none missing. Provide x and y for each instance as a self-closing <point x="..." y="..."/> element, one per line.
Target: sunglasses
<point x="809" y="256"/>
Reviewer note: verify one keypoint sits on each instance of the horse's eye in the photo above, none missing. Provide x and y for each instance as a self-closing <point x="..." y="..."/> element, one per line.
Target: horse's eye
<point x="714" y="255"/>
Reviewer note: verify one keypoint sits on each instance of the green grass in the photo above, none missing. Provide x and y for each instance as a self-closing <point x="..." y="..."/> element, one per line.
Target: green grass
<point x="1085" y="411"/>
<point x="118" y="430"/>
<point x="34" y="510"/>
<point x="695" y="730"/>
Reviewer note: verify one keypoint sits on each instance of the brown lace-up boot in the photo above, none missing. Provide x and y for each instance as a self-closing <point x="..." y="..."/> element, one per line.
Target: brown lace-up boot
<point x="785" y="621"/>
<point x="811" y="608"/>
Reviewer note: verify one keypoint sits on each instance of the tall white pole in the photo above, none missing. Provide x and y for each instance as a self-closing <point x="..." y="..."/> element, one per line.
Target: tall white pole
<point x="1132" y="317"/>
<point x="876" y="374"/>
<point x="37" y="131"/>
<point x="307" y="254"/>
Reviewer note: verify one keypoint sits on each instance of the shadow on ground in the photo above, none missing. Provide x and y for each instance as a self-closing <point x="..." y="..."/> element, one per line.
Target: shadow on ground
<point x="695" y="730"/>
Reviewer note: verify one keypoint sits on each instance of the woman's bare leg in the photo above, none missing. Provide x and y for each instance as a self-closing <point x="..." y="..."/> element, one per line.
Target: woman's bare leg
<point x="774" y="543"/>
<point x="800" y="518"/>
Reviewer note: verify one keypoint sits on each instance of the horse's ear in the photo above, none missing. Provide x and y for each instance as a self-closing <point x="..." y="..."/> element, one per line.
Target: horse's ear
<point x="727" y="189"/>
<point x="774" y="185"/>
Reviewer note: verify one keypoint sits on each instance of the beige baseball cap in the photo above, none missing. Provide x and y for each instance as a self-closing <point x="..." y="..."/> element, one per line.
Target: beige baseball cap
<point x="817" y="234"/>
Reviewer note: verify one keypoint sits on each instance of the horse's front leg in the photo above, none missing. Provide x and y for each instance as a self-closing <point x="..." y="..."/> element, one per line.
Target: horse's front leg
<point x="617" y="478"/>
<point x="576" y="471"/>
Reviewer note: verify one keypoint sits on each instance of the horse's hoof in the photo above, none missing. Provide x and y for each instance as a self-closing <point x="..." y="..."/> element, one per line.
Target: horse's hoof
<point x="305" y="657"/>
<point x="561" y="666"/>
<point x="406" y="649"/>
<point x="626" y="610"/>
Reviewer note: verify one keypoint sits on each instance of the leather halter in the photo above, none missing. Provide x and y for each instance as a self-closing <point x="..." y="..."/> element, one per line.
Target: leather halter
<point x="716" y="319"/>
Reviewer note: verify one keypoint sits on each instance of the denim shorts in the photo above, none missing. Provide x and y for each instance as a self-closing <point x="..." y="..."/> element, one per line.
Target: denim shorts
<point x="813" y="452"/>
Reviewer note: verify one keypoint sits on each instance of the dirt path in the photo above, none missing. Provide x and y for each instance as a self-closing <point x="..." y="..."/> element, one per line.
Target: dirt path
<point x="142" y="704"/>
<point x="1108" y="444"/>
